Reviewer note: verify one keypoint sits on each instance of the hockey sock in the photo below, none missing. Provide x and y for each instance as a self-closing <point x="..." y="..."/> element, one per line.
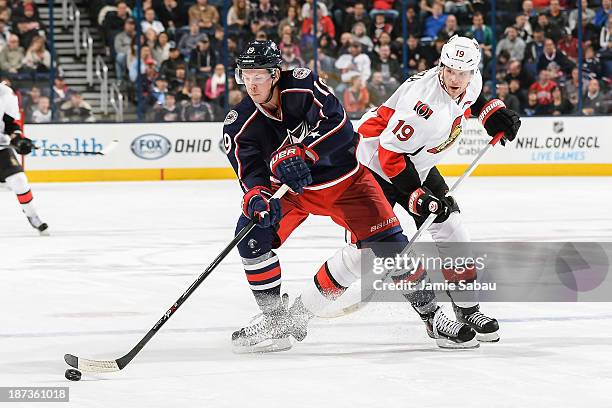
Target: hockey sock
<point x="264" y="276"/>
<point x="18" y="183"/>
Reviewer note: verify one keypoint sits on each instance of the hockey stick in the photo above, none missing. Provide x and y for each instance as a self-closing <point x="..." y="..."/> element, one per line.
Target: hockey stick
<point x="107" y="366"/>
<point x="352" y="308"/>
<point x="106" y="150"/>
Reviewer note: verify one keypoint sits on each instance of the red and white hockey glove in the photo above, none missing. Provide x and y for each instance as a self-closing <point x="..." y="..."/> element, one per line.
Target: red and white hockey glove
<point x="495" y="118"/>
<point x="422" y="202"/>
<point x="258" y="205"/>
<point x="290" y="164"/>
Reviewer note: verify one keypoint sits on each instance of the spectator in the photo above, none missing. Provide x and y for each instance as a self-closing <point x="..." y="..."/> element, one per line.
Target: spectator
<point x="572" y="87"/>
<point x="169" y="13"/>
<point x="122" y="46"/>
<point x="523" y="28"/>
<point x="307" y="9"/>
<point x="479" y="31"/>
<point x="292" y="21"/>
<point x="533" y="108"/>
<point x="587" y="14"/>
<point x="238" y="16"/>
<point x="379" y="26"/>
<point x="344" y="46"/>
<point x="5" y="32"/>
<point x="378" y="91"/>
<point x="150" y="38"/>
<point x="591" y="66"/>
<point x="355" y="62"/>
<point x="76" y="110"/>
<point x="412" y="22"/>
<point x="179" y="81"/>
<point x="42" y="112"/>
<point x="190" y="41"/>
<point x="146" y="59"/>
<point x="158" y="93"/>
<point x="389" y="67"/>
<point x="529" y="12"/>
<point x="359" y="15"/>
<point x="28" y="26"/>
<point x="384" y="8"/>
<point x="61" y="91"/>
<point x="568" y="45"/>
<point x="556" y="16"/>
<point x="543" y="88"/>
<point x="550" y="30"/>
<point x="265" y="18"/>
<point x="590" y="32"/>
<point x="11" y="56"/>
<point x="435" y="22"/>
<point x="356" y="98"/>
<point x="593" y="101"/>
<point x="395" y="46"/>
<point x="535" y="48"/>
<point x="450" y="27"/>
<point x="215" y="85"/>
<point x="37" y="58"/>
<point x="605" y="35"/>
<point x="169" y="111"/>
<point x="550" y="55"/>
<point x="150" y="22"/>
<point x="114" y="22"/>
<point x="169" y="66"/>
<point x="513" y="44"/>
<point x="203" y="14"/>
<point x="196" y="110"/>
<point x="31" y="101"/>
<point x="325" y="25"/>
<point x="360" y="34"/>
<point x="287" y="42"/>
<point x="560" y="104"/>
<point x="459" y="8"/>
<point x="515" y="90"/>
<point x="511" y="101"/>
<point x="161" y="51"/>
<point x="202" y="60"/>
<point x="290" y="59"/>
<point x="601" y="16"/>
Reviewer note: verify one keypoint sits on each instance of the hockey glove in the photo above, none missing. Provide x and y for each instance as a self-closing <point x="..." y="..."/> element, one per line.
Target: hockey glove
<point x="422" y="202"/>
<point x="258" y="206"/>
<point x="23" y="145"/>
<point x="495" y="118"/>
<point x="290" y="164"/>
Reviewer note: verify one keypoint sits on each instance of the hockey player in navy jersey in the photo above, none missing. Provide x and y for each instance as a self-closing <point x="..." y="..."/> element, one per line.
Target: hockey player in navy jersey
<point x="292" y="130"/>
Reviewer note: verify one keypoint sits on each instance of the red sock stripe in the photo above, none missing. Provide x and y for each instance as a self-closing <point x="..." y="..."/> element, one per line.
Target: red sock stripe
<point x="25" y="197"/>
<point x="262" y="276"/>
<point x="326" y="283"/>
<point x="453" y="275"/>
<point x="409" y="277"/>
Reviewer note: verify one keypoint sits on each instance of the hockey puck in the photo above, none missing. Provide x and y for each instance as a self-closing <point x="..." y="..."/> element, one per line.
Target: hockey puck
<point x="72" y="374"/>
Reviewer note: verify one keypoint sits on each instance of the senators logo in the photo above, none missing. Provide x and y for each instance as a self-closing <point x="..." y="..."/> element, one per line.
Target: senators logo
<point x="454" y="135"/>
<point x="423" y="110"/>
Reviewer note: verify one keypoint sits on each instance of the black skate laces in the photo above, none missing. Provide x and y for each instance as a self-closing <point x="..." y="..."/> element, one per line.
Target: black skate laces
<point x="442" y="324"/>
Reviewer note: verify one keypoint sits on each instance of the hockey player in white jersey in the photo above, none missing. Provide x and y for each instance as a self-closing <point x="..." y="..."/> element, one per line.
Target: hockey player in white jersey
<point x="12" y="141"/>
<point x="402" y="140"/>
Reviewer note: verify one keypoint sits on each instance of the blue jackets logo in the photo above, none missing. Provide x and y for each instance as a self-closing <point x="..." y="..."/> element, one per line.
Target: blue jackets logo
<point x="151" y="146"/>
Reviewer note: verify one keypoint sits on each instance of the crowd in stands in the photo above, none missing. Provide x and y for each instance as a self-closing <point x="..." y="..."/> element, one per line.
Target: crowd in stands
<point x="359" y="46"/>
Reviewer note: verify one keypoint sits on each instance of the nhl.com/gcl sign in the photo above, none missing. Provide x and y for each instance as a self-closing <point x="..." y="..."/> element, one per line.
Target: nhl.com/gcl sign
<point x="151" y="146"/>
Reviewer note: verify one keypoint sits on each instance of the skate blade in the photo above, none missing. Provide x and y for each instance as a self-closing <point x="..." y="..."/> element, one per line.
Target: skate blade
<point x="266" y="346"/>
<point x="44" y="233"/>
<point x="487" y="337"/>
<point x="449" y="344"/>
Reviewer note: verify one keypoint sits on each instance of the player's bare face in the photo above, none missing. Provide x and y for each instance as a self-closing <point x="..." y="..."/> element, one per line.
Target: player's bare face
<point x="258" y="83"/>
<point x="455" y="81"/>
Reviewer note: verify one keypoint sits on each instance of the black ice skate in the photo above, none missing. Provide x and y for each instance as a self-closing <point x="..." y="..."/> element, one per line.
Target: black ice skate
<point x="448" y="333"/>
<point x="486" y="327"/>
<point x="38" y="225"/>
<point x="269" y="332"/>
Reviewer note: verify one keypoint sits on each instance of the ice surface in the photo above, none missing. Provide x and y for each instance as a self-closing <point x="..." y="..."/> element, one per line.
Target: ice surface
<point x="121" y="253"/>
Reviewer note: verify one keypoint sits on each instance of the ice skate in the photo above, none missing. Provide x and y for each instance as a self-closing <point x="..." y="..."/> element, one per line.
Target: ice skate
<point x="486" y="328"/>
<point x="449" y="333"/>
<point x="38" y="225"/>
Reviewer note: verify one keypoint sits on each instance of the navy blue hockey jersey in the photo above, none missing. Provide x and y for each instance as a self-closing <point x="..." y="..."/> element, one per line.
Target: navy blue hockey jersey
<point x="310" y="114"/>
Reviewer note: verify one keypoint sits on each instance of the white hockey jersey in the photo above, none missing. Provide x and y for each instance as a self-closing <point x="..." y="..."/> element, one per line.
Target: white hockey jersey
<point x="9" y="105"/>
<point x="420" y="119"/>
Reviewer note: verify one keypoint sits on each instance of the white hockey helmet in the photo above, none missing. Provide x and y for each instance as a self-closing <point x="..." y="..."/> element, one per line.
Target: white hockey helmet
<point x="460" y="53"/>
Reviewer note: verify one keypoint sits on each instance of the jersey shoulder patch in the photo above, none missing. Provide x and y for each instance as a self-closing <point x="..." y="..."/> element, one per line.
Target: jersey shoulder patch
<point x="238" y="116"/>
<point x="301" y="73"/>
<point x="230" y="117"/>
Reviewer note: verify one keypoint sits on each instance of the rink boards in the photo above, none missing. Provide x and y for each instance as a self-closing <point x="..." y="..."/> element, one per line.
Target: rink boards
<point x="551" y="146"/>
